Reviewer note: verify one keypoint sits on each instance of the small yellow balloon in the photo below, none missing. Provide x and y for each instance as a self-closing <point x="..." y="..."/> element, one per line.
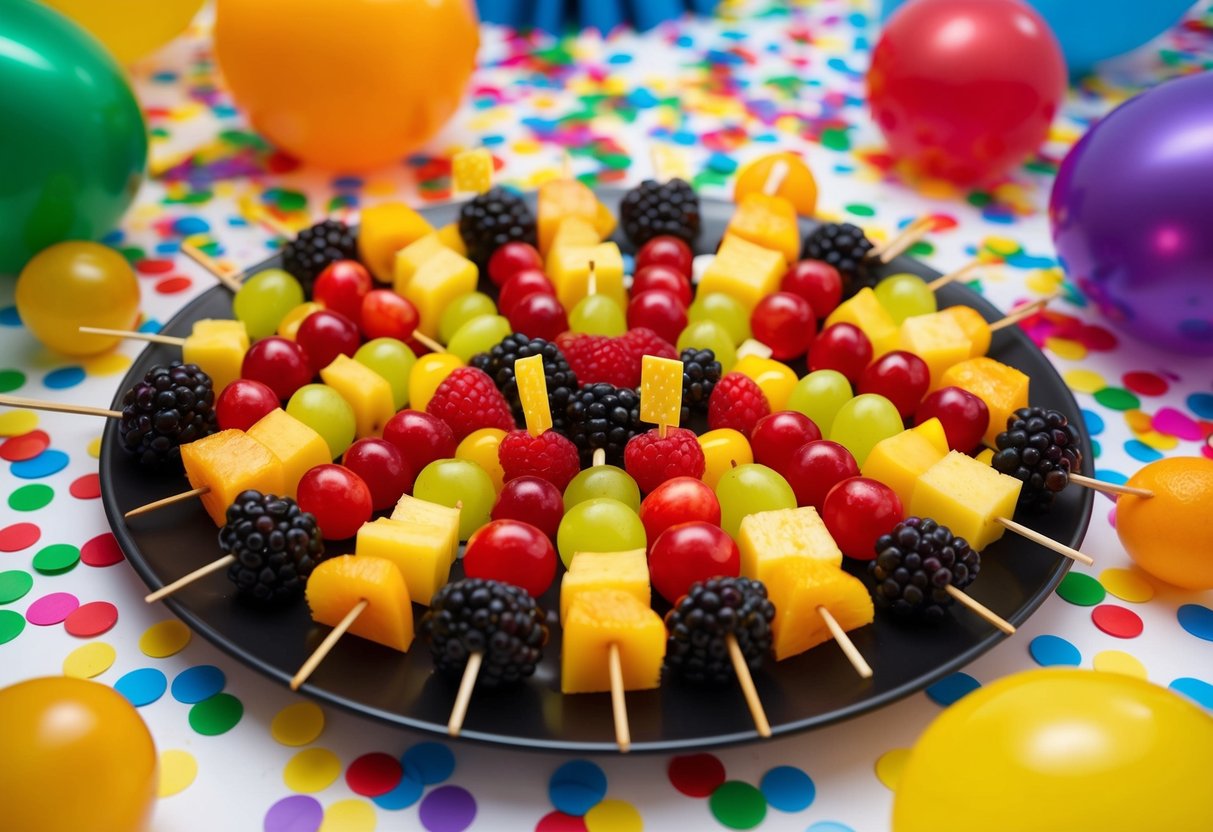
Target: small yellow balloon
<point x="130" y="29"/>
<point x="1061" y="749"/>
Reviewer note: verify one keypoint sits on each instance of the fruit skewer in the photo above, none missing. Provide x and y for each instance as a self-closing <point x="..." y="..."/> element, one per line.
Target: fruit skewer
<point x="216" y="346"/>
<point x="230" y="277"/>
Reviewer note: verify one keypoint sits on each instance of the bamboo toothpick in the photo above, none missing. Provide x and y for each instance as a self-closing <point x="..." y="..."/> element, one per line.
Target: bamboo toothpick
<point x="273" y="224"/>
<point x="428" y="342"/>
<point x="623" y="735"/>
<point x="779" y="172"/>
<point x="599" y="458"/>
<point x="167" y="501"/>
<point x="844" y="641"/>
<point x="1109" y="487"/>
<point x="57" y="407"/>
<point x="184" y="580"/>
<point x="133" y="335"/>
<point x="1047" y="542"/>
<point x="326" y="646"/>
<point x="939" y="282"/>
<point x="227" y="276"/>
<point x="1026" y="311"/>
<point x="900" y="242"/>
<point x="460" y="709"/>
<point x="982" y="610"/>
<point x="746" y="681"/>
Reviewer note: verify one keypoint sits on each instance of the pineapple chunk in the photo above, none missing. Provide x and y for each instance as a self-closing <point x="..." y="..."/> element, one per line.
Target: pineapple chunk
<point x="865" y="311"/>
<point x="297" y="446"/>
<point x="968" y="497"/>
<point x="384" y="230"/>
<point x="932" y="430"/>
<point x="367" y="392"/>
<point x="410" y="258"/>
<point x="570" y="273"/>
<point x="573" y="232"/>
<point x="774" y="378"/>
<point x="561" y="198"/>
<point x="625" y="571"/>
<point x="767" y="538"/>
<point x="338" y="584"/>
<point x="410" y="509"/>
<point x="533" y="393"/>
<point x="598" y="619"/>
<point x="472" y="170"/>
<point x="974" y="326"/>
<point x="660" y="390"/>
<point x="1004" y="389"/>
<point x="900" y="460"/>
<point x="768" y="221"/>
<point x="227" y="463"/>
<point x="451" y="238"/>
<point x="439" y="280"/>
<point x="288" y="327"/>
<point x="421" y="553"/>
<point x="221" y="326"/>
<point x="220" y="356"/>
<point x="936" y="339"/>
<point x="798" y="587"/>
<point x="744" y="270"/>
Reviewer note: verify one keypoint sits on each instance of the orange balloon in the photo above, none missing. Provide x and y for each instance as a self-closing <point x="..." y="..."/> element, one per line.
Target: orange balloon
<point x="1170" y="535"/>
<point x="348" y="85"/>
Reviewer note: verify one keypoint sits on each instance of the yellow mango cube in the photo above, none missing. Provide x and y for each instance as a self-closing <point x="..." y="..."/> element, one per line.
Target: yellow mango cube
<point x="596" y="620"/>
<point x="410" y="258"/>
<point x="744" y="270"/>
<point x="570" y="273"/>
<point x="974" y="326"/>
<point x="385" y="229"/>
<point x="798" y="588"/>
<point x="220" y="356"/>
<point x="438" y="281"/>
<point x="221" y="326"/>
<point x="900" y="460"/>
<point x="604" y="221"/>
<point x="337" y="585"/>
<point x="561" y="198"/>
<point x="936" y="339"/>
<point x="932" y="430"/>
<point x="968" y="497"/>
<point x="573" y="232"/>
<point x="660" y="390"/>
<point x="297" y="446"/>
<point x="419" y="552"/>
<point x="472" y="171"/>
<point x="865" y="311"/>
<point x="227" y="463"/>
<point x="288" y="327"/>
<point x="533" y="393"/>
<point x="410" y="509"/>
<point x="1003" y="388"/>
<point x="367" y="392"/>
<point x="774" y="378"/>
<point x="768" y="537"/>
<point x="450" y="237"/>
<point x="768" y="221"/>
<point x="590" y="571"/>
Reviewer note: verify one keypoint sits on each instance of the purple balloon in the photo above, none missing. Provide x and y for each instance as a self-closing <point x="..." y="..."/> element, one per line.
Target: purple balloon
<point x="1132" y="217"/>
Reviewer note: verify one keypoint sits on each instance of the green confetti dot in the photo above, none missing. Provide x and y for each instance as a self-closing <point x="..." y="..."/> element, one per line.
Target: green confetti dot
<point x="738" y="805"/>
<point x="11" y="380"/>
<point x="835" y="139"/>
<point x="133" y="254"/>
<point x="30" y="497"/>
<point x="1114" y="398"/>
<point x="216" y="715"/>
<point x="14" y="584"/>
<point x="978" y="199"/>
<point x="921" y="249"/>
<point x="1081" y="590"/>
<point x="861" y="210"/>
<point x="57" y="558"/>
<point x="11" y="625"/>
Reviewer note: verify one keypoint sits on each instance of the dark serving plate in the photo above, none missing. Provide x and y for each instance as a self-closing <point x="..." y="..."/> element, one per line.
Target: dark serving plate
<point x="811" y="690"/>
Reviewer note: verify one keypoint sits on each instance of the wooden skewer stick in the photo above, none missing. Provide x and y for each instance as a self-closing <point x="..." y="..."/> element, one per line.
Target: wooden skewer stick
<point x="326" y="646"/>
<point x="1026" y="311"/>
<point x="907" y="237"/>
<point x="202" y="571"/>
<point x="167" y="501"/>
<point x="848" y="647"/>
<point x="428" y="342"/>
<point x="1047" y="542"/>
<point x="982" y="610"/>
<point x="747" y="687"/>
<point x="460" y="709"/>
<point x="1109" y="487"/>
<point x="599" y="458"/>
<point x="151" y="337"/>
<point x="623" y="735"/>
<point x="939" y="282"/>
<point x="227" y="276"/>
<point x="57" y="407"/>
<point x="779" y="172"/>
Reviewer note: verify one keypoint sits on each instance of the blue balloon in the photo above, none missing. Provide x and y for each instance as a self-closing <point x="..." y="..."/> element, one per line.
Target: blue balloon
<point x="1091" y="30"/>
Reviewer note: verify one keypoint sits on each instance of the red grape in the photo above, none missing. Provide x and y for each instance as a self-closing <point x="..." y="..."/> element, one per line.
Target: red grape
<point x="691" y="552"/>
<point x="337" y="497"/>
<point x="539" y="315"/>
<point x="279" y="364"/>
<point x="667" y="278"/>
<point x="901" y="377"/>
<point x="385" y="314"/>
<point x="420" y="437"/>
<point x="785" y="323"/>
<point x="513" y="552"/>
<point x="666" y="251"/>
<point x="963" y="415"/>
<point x="383" y="469"/>
<point x="816" y="467"/>
<point x="326" y="334"/>
<point x="512" y="258"/>
<point x="817" y="282"/>
<point x="857" y="512"/>
<point x="532" y="500"/>
<point x="841" y="347"/>
<point x="659" y="311"/>
<point x="342" y="286"/>
<point x="519" y="286"/>
<point x="778" y="435"/>
<point x="243" y="402"/>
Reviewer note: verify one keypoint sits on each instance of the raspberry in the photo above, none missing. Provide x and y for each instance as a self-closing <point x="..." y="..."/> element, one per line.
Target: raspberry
<point x="596" y="358"/>
<point x="643" y="341"/>
<point x="467" y="400"/>
<point x="737" y="402"/>
<point x="651" y="460"/>
<point x="548" y="456"/>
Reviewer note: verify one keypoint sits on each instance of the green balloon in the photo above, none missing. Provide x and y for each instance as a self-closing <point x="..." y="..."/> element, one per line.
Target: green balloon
<point x="73" y="144"/>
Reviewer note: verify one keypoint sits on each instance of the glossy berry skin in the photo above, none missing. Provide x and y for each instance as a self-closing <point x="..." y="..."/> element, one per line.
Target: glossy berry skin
<point x="666" y="250"/>
<point x="665" y="278"/>
<point x="512" y="258"/>
<point x="324" y="335"/>
<point x="690" y="552"/>
<point x="901" y="377"/>
<point x="963" y="415"/>
<point x="512" y="552"/>
<point x="338" y="498"/>
<point x="532" y="500"/>
<point x="342" y="286"/>
<point x="551" y="456"/>
<point x="279" y="364"/>
<point x="784" y="322"/>
<point x="519" y="286"/>
<point x="420" y="437"/>
<point x="676" y="501"/>
<point x="816" y="467"/>
<point x="385" y="314"/>
<point x="778" y="435"/>
<point x="659" y="311"/>
<point x="383" y="469"/>
<point x="817" y="282"/>
<point x="841" y="347"/>
<point x="857" y="512"/>
<point x="243" y="402"/>
<point x="539" y="315"/>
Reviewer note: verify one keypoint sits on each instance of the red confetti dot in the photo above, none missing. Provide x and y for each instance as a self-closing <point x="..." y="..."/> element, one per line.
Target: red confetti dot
<point x="102" y="550"/>
<point x="696" y="775"/>
<point x="374" y="774"/>
<point x="19" y="536"/>
<point x="87" y="487"/>
<point x="1145" y="384"/>
<point x="155" y="266"/>
<point x="173" y="285"/>
<point x="26" y="446"/>
<point x="1117" y="621"/>
<point x="560" y="822"/>
<point x="92" y="619"/>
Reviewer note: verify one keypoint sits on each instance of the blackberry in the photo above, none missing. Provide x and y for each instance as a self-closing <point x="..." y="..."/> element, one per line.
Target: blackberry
<point x="914" y="565"/>
<point x="652" y="209"/>
<point x="172" y="406"/>
<point x="476" y="615"/>
<point x="314" y="248"/>
<point x="1039" y="447"/>
<point x="276" y="545"/>
<point x="700" y="372"/>
<point x="498" y="363"/>
<point x="603" y="416"/>
<point x="492" y="219"/>
<point x="845" y="247"/>
<point x="698" y="624"/>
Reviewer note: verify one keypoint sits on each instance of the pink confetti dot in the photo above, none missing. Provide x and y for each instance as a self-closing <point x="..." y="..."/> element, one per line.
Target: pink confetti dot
<point x="52" y="609"/>
<point x="102" y="550"/>
<point x="92" y="619"/>
<point x="1174" y="423"/>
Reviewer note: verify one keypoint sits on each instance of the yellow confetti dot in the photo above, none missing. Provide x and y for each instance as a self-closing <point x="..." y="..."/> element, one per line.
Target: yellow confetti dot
<point x="937" y="189"/>
<point x="1118" y="661"/>
<point x="177" y="771"/>
<point x="89" y="660"/>
<point x="1159" y="441"/>
<point x="164" y="639"/>
<point x="1004" y="246"/>
<point x="1084" y="381"/>
<point x="350" y="815"/>
<point x="1138" y="421"/>
<point x="298" y="724"/>
<point x="1127" y="585"/>
<point x="1044" y="281"/>
<point x="107" y="365"/>
<point x="1065" y="348"/>
<point x="311" y="770"/>
<point x="17" y="422"/>
<point x="526" y="147"/>
<point x="890" y="765"/>
<point x="94" y="447"/>
<point x="614" y="816"/>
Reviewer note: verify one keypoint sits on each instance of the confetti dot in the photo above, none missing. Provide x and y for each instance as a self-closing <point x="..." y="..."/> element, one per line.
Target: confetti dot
<point x="1081" y="590"/>
<point x="1201" y="404"/>
<point x="17" y="422"/>
<point x="19" y="536"/>
<point x="102" y="550"/>
<point x="143" y="686"/>
<point x="110" y="364"/>
<point x="1145" y="384"/>
<point x="56" y="559"/>
<point x="31" y="497"/>
<point x="429" y="762"/>
<point x="195" y="684"/>
<point x="829" y="826"/>
<point x="177" y="771"/>
<point x="11" y="380"/>
<point x="87" y="487"/>
<point x="1198" y="690"/>
<point x="1114" y="398"/>
<point x="164" y="639"/>
<point x="696" y="775"/>
<point x="1117" y="621"/>
<point x="1197" y="620"/>
<point x="349" y="815"/>
<point x="93" y="448"/>
<point x="64" y="377"/>
<point x="24" y="447"/>
<point x="889" y="766"/>
<point x="298" y="724"/>
<point x="297" y="813"/>
<point x="216" y="715"/>
<point x="43" y="465"/>
<point x="92" y="619"/>
<point x="1084" y="381"/>
<point x="403" y="795"/>
<point x="560" y="822"/>
<point x="738" y="805"/>
<point x="373" y="774"/>
<point x="89" y="660"/>
<point x="311" y="770"/>
<point x="52" y="609"/>
<point x="1127" y="585"/>
<point x="614" y="816"/>
<point x="173" y="285"/>
<point x="952" y="688"/>
<point x="577" y="786"/>
<point x="11" y="625"/>
<point x="1051" y="651"/>
<point x="1118" y="661"/>
<point x="447" y="809"/>
<point x="788" y="789"/>
<point x="14" y="584"/>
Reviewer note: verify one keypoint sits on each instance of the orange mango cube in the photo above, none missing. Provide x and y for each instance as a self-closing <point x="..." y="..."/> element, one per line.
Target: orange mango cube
<point x="768" y="221"/>
<point x="898" y="461"/>
<point x="562" y="198"/>
<point x="385" y="229"/>
<point x="974" y="325"/>
<point x="367" y="392"/>
<point x="410" y="258"/>
<point x="798" y="587"/>
<point x="440" y="279"/>
<point x="1003" y="388"/>
<point x="297" y="446"/>
<point x="337" y="585"/>
<point x="936" y="339"/>
<point x="227" y="463"/>
<point x="766" y="538"/>
<point x="591" y="571"/>
<point x="865" y="311"/>
<point x="747" y="271"/>
<point x="418" y="512"/>
<point x="599" y="618"/>
<point x="419" y="552"/>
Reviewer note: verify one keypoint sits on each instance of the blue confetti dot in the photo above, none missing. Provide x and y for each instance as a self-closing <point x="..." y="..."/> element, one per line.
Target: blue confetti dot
<point x="492" y="141"/>
<point x="43" y="465"/>
<point x="1023" y="260"/>
<point x="997" y="214"/>
<point x="951" y="688"/>
<point x="168" y="248"/>
<point x="1093" y="421"/>
<point x="1096" y="448"/>
<point x="1197" y="620"/>
<point x="619" y="58"/>
<point x="348" y="182"/>
<point x="829" y="826"/>
<point x="188" y="226"/>
<point x="1141" y="451"/>
<point x="1201" y="692"/>
<point x="143" y="686"/>
<point x="9" y="316"/>
<point x="428" y="762"/>
<point x="577" y="786"/>
<point x="1114" y="477"/>
<point x="151" y="325"/>
<point x="1051" y="651"/>
<point x="64" y="377"/>
<point x="113" y="238"/>
<point x="721" y="163"/>
<point x="405" y="794"/>
<point x="195" y="684"/>
<point x="1201" y="404"/>
<point x="788" y="789"/>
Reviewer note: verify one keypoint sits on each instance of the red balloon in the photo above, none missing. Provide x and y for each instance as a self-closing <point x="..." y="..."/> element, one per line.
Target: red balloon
<point x="963" y="90"/>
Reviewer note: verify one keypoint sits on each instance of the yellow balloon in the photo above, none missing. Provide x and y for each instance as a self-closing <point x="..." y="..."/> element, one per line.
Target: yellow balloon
<point x="1065" y="750"/>
<point x="130" y="29"/>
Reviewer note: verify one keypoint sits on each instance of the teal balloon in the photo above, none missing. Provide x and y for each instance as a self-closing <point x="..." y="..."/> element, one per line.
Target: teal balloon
<point x="73" y="144"/>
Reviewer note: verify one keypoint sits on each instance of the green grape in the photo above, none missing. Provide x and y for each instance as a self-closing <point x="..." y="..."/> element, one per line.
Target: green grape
<point x="598" y="315"/>
<point x="599" y="525"/>
<point x="820" y="395"/>
<point x="709" y="335"/>
<point x="325" y="411"/>
<point x="451" y="481"/>
<point x="864" y="421"/>
<point x="905" y="295"/>
<point x="725" y="310"/>
<point x="264" y="299"/>
<point x="749" y="489"/>
<point x="602" y="481"/>
<point x="461" y="310"/>
<point x="394" y="361"/>
<point x="478" y="335"/>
